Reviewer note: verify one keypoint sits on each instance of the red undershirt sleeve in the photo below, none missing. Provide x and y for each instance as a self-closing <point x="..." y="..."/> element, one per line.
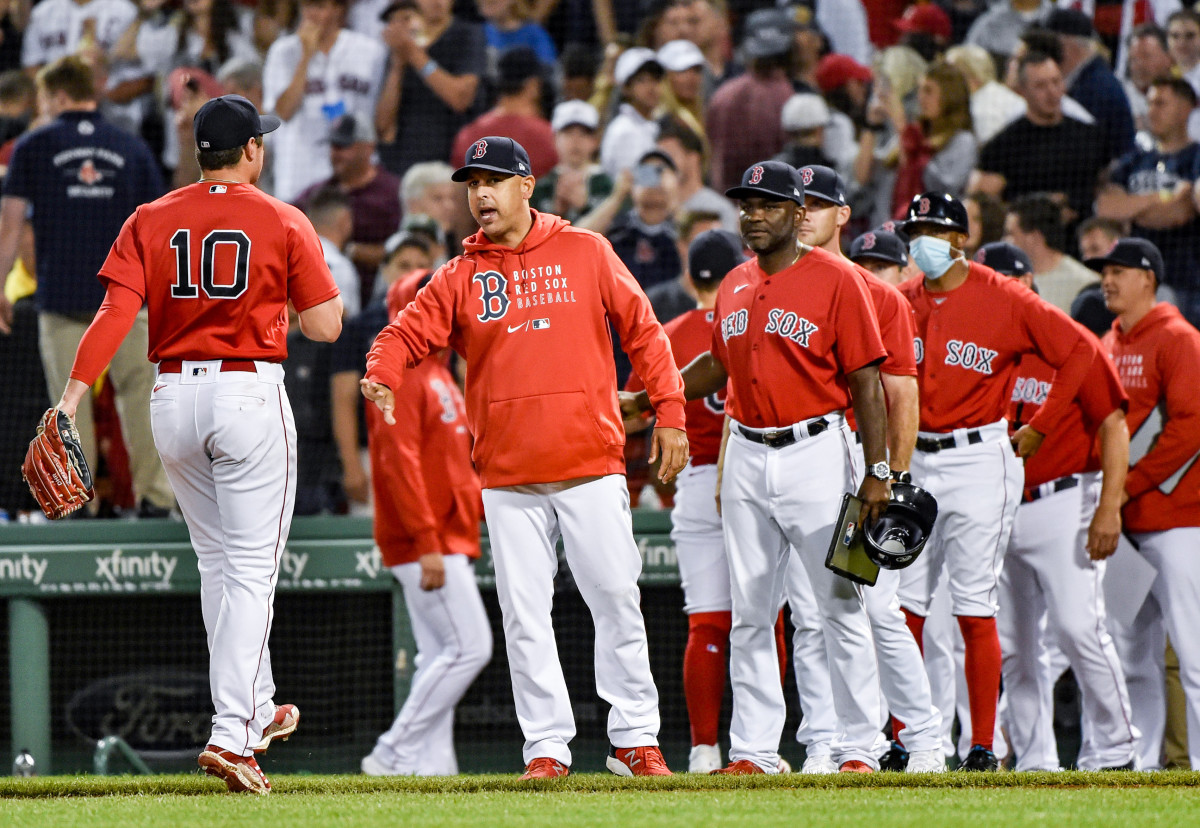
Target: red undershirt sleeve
<point x="106" y="333"/>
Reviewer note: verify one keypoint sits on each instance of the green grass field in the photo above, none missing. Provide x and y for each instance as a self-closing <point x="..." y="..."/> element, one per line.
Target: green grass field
<point x="1004" y="800"/>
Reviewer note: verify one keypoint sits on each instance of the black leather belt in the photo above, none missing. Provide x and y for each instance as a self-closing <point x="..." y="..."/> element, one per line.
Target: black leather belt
<point x="932" y="445"/>
<point x="784" y="436"/>
<point x="1060" y="485"/>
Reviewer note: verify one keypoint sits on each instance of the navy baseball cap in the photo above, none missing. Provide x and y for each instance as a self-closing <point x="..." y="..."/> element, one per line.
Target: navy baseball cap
<point x="1005" y="258"/>
<point x="1131" y="252"/>
<point x="495" y="153"/>
<point x="880" y="245"/>
<point x="824" y="183"/>
<point x="712" y="255"/>
<point x="772" y="180"/>
<point x="230" y="121"/>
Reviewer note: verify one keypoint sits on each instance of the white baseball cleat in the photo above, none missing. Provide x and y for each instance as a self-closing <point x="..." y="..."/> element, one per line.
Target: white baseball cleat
<point x="373" y="767"/>
<point x="926" y="761"/>
<point x="704" y="759"/>
<point x="784" y="766"/>
<point x="287" y="718"/>
<point x="819" y="764"/>
<point x="241" y="774"/>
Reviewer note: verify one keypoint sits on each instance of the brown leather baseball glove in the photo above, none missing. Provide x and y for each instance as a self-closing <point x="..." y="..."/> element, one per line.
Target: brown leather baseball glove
<point x="55" y="468"/>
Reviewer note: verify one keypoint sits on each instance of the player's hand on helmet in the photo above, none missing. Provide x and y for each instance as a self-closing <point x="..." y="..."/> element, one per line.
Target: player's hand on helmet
<point x="875" y="495"/>
<point x="1027" y="441"/>
<point x="382" y="396"/>
<point x="433" y="571"/>
<point x="671" y="445"/>
<point x="1103" y="533"/>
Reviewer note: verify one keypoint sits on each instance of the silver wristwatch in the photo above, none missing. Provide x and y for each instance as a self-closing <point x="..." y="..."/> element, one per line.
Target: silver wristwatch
<point x="880" y="470"/>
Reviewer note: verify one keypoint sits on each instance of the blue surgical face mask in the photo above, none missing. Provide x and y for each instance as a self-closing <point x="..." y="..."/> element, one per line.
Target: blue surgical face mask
<point x="931" y="254"/>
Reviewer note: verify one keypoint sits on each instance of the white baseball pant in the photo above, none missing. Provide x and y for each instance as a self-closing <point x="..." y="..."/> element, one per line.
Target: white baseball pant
<point x="454" y="643"/>
<point x="595" y="523"/>
<point x="228" y="443"/>
<point x="1172" y="608"/>
<point x="773" y="499"/>
<point x="1047" y="574"/>
<point x="700" y="541"/>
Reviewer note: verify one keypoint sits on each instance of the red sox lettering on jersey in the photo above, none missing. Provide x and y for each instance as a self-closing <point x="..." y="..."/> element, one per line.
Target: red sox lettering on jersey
<point x="970" y="340"/>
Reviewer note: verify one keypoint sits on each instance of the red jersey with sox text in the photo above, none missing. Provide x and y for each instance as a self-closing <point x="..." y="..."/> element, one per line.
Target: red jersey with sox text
<point x="1068" y="448"/>
<point x="217" y="263"/>
<point x="970" y="340"/>
<point x="788" y="339"/>
<point x="895" y="327"/>
<point x="691" y="336"/>
<point x="532" y="323"/>
<point x="1158" y="361"/>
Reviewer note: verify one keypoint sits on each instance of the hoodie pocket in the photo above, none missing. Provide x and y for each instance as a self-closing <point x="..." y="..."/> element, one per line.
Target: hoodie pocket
<point x="550" y="432"/>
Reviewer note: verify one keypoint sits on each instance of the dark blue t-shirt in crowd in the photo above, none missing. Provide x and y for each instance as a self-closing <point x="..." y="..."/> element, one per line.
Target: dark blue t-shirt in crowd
<point x="82" y="177"/>
<point x="1142" y="172"/>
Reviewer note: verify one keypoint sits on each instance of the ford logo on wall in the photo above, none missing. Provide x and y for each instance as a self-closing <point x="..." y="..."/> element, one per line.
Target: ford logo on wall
<point x="160" y="713"/>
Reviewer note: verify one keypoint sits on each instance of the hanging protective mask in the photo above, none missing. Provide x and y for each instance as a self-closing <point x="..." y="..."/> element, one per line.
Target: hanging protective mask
<point x="931" y="254"/>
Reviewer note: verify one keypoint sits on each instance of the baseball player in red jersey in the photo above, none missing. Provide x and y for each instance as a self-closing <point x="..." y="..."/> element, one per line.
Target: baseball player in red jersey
<point x="1052" y="583"/>
<point x="528" y="306"/>
<point x="217" y="263"/>
<point x="973" y="327"/>
<point x="1157" y="354"/>
<point x="427" y="513"/>
<point x="796" y="338"/>
<point x="904" y="683"/>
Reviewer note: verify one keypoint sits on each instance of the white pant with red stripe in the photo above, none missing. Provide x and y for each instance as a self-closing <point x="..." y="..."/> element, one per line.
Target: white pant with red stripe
<point x="594" y="521"/>
<point x="700" y="541"/>
<point x="454" y="643"/>
<point x="1048" y="575"/>
<point x="774" y="499"/>
<point x="228" y="443"/>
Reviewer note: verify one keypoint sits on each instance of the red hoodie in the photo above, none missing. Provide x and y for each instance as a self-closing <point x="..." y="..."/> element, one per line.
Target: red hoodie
<point x="532" y="323"/>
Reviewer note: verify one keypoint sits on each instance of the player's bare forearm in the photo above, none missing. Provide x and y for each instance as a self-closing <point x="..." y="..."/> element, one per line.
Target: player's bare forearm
<point x="71" y="397"/>
<point x="343" y="408"/>
<point x="870" y="411"/>
<point x="289" y="100"/>
<point x="903" y="417"/>
<point x="703" y="376"/>
<point x="323" y="323"/>
<point x="456" y="91"/>
<point x="1105" y="528"/>
<point x="721" y="461"/>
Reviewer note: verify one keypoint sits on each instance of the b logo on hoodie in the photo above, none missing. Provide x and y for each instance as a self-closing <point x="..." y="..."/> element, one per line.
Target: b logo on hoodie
<point x="494" y="295"/>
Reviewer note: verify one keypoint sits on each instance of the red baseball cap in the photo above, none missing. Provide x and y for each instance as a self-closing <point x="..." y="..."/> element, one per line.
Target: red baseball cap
<point x="929" y="18"/>
<point x="834" y="70"/>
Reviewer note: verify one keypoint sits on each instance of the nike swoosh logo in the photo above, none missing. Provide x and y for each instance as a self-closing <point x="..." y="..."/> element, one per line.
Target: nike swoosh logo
<point x="159" y="387"/>
<point x="512" y="328"/>
<point x="740" y="287"/>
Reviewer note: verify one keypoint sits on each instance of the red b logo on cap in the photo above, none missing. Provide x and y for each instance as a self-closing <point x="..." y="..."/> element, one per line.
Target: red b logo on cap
<point x="922" y="208"/>
<point x="756" y="175"/>
<point x="868" y="241"/>
<point x="806" y="175"/>
<point x="480" y="149"/>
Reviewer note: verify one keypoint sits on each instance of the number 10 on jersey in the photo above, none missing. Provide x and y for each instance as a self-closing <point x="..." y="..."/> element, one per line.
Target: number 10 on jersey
<point x="213" y="287"/>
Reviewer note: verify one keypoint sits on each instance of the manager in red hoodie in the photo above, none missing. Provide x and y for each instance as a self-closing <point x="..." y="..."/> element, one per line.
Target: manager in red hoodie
<point x="528" y="305"/>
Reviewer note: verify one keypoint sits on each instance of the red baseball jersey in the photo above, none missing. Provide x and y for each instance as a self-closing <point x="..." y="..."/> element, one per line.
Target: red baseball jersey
<point x="895" y="327"/>
<point x="1068" y="449"/>
<point x="970" y="341"/>
<point x="691" y="336"/>
<point x="217" y="263"/>
<point x="1158" y="361"/>
<point x="532" y="323"/>
<point x="788" y="339"/>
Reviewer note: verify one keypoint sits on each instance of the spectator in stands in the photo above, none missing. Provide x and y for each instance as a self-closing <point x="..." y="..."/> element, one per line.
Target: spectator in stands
<point x="712" y="35"/>
<point x="1154" y="191"/>
<point x="1096" y="236"/>
<point x="1183" y="42"/>
<point x="520" y="80"/>
<point x="1043" y="150"/>
<point x="804" y="118"/>
<point x="644" y="237"/>
<point x="809" y="45"/>
<point x="404" y="252"/>
<point x="18" y="104"/>
<point x="64" y="27"/>
<point x="998" y="30"/>
<point x="1035" y="224"/>
<point x="272" y="20"/>
<point x="926" y="29"/>
<point x="427" y="228"/>
<point x="687" y="152"/>
<point x="638" y="75"/>
<point x="366" y="17"/>
<point x="371" y="191"/>
<point x="1090" y="80"/>
<point x="311" y="78"/>
<point x="577" y="184"/>
<point x="678" y="296"/>
<point x="507" y="25"/>
<point x="845" y="24"/>
<point x="427" y="190"/>
<point x="207" y="33"/>
<point x="436" y="62"/>
<point x="669" y="20"/>
<point x="850" y="141"/>
<point x="937" y="150"/>
<point x="743" y="114"/>
<point x="1147" y="59"/>
<point x="579" y="66"/>
<point x="330" y="214"/>
<point x="993" y="105"/>
<point x="985" y="221"/>
<point x="683" y="88"/>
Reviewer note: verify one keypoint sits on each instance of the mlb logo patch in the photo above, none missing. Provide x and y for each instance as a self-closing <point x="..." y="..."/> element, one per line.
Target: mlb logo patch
<point x="217" y="188"/>
<point x="540" y="324"/>
<point x="200" y="371"/>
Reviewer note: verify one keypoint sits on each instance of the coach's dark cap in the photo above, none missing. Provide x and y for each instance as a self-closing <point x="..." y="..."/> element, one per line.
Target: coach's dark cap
<point x="1069" y="22"/>
<point x="502" y="155"/>
<point x="712" y="255"/>
<point x="1005" y="258"/>
<point x="881" y="246"/>
<point x="230" y="121"/>
<point x="773" y="180"/>
<point x="1131" y="252"/>
<point x="769" y="33"/>
<point x="824" y="183"/>
<point x="350" y="129"/>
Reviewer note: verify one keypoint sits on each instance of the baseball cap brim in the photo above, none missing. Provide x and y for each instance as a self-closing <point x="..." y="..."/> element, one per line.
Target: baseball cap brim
<point x="1099" y="263"/>
<point x="268" y="123"/>
<point x="463" y="173"/>
<point x="758" y="192"/>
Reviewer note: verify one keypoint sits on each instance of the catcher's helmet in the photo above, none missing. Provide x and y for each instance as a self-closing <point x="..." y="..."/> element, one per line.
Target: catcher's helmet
<point x="895" y="540"/>
<point x="936" y="207"/>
